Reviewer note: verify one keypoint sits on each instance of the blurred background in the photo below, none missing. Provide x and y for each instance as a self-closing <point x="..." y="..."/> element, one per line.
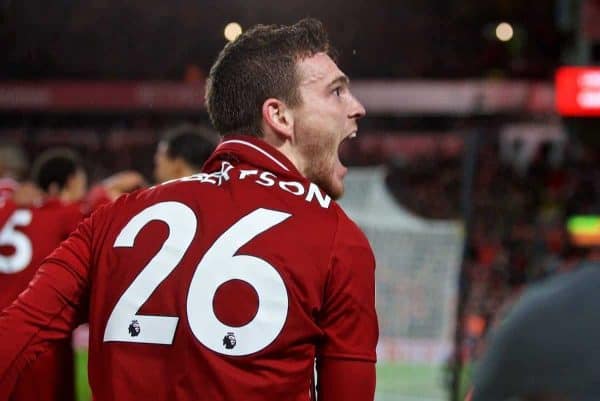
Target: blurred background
<point x="478" y="143"/>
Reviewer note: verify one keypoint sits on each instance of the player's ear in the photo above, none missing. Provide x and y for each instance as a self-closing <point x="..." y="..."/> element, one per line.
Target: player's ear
<point x="278" y="118"/>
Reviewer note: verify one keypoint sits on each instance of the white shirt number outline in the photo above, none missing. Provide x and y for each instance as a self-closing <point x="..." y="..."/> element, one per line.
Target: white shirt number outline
<point x="21" y="258"/>
<point x="218" y="265"/>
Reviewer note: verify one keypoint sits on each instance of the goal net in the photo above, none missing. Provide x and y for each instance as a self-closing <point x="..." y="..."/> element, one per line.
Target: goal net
<point x="418" y="262"/>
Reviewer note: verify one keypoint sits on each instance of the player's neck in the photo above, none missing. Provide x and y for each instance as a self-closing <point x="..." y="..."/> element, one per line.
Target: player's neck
<point x="187" y="171"/>
<point x="287" y="148"/>
<point x="67" y="196"/>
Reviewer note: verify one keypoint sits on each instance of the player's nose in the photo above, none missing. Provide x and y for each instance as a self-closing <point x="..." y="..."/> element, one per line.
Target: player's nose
<point x="357" y="110"/>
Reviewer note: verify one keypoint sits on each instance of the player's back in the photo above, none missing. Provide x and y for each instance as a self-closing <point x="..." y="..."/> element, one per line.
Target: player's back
<point x="212" y="287"/>
<point x="28" y="236"/>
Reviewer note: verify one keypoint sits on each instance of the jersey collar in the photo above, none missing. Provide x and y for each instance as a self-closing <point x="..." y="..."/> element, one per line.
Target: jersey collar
<point x="254" y="151"/>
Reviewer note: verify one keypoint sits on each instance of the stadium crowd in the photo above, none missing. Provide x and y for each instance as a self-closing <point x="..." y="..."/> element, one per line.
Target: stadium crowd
<point x="519" y="218"/>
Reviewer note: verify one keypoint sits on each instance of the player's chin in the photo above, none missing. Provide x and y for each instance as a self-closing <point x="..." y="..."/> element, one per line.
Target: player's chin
<point x="335" y="187"/>
<point x="338" y="192"/>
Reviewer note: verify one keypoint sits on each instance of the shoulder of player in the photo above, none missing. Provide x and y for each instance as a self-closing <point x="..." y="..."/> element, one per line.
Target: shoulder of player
<point x="564" y="289"/>
<point x="350" y="243"/>
<point x="53" y="205"/>
<point x="548" y="302"/>
<point x="348" y="230"/>
<point x="133" y="202"/>
<point x="178" y="186"/>
<point x="548" y="313"/>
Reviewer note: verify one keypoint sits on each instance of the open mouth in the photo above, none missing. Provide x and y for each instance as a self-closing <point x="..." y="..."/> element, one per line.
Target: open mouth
<point x="342" y="169"/>
<point x="352" y="135"/>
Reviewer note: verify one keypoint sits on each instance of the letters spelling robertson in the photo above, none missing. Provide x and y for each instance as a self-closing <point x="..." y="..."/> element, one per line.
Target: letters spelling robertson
<point x="266" y="179"/>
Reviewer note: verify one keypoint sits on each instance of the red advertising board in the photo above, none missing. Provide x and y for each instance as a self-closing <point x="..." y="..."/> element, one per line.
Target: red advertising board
<point x="102" y="96"/>
<point x="397" y="97"/>
<point x="578" y="91"/>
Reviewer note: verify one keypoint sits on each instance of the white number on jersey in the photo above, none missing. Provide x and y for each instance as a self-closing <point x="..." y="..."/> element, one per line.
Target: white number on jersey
<point x="21" y="257"/>
<point x="219" y="265"/>
<point x="156" y="329"/>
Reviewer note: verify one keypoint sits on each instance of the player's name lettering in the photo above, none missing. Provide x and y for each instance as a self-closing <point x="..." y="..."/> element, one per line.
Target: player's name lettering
<point x="268" y="179"/>
<point x="217" y="178"/>
<point x="311" y="193"/>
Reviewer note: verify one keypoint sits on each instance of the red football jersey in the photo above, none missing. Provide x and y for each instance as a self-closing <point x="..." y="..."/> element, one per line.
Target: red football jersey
<point x="27" y="236"/>
<point x="225" y="285"/>
<point x="7" y="207"/>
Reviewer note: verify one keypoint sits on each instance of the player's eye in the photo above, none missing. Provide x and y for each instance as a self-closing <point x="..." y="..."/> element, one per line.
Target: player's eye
<point x="337" y="91"/>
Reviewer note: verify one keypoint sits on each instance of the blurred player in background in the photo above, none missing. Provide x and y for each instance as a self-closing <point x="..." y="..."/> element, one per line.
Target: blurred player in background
<point x="226" y="285"/>
<point x="61" y="175"/>
<point x="111" y="188"/>
<point x="32" y="229"/>
<point x="29" y="235"/>
<point x="182" y="151"/>
<point x="14" y="167"/>
<point x="547" y="348"/>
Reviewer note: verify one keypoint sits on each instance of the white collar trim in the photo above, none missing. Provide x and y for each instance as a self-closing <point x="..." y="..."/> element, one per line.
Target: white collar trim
<point x="251" y="145"/>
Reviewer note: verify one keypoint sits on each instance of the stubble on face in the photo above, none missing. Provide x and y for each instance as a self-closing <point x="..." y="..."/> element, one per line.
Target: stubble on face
<point x="318" y="125"/>
<point x="319" y="153"/>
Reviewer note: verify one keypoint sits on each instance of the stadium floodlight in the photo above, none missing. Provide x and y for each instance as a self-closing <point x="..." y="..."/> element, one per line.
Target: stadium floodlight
<point x="232" y="31"/>
<point x="504" y="31"/>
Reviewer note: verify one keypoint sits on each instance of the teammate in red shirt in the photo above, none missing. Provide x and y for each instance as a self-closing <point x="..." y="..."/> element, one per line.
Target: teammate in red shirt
<point x="30" y="232"/>
<point x="228" y="284"/>
<point x="29" y="235"/>
<point x="14" y="165"/>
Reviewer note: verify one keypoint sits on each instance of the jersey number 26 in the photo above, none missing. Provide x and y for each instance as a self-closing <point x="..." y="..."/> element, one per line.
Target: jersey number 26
<point x="217" y="266"/>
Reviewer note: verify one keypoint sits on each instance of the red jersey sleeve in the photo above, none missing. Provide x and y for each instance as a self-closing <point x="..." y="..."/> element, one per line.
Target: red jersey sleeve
<point x="348" y="317"/>
<point x="346" y="380"/>
<point x="48" y="309"/>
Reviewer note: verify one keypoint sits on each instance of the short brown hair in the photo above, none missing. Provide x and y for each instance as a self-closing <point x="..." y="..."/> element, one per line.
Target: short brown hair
<point x="260" y="64"/>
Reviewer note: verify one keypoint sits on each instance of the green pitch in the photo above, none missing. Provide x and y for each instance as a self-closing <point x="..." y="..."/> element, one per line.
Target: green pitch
<point x="402" y="381"/>
<point x="82" y="389"/>
<point x="397" y="382"/>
